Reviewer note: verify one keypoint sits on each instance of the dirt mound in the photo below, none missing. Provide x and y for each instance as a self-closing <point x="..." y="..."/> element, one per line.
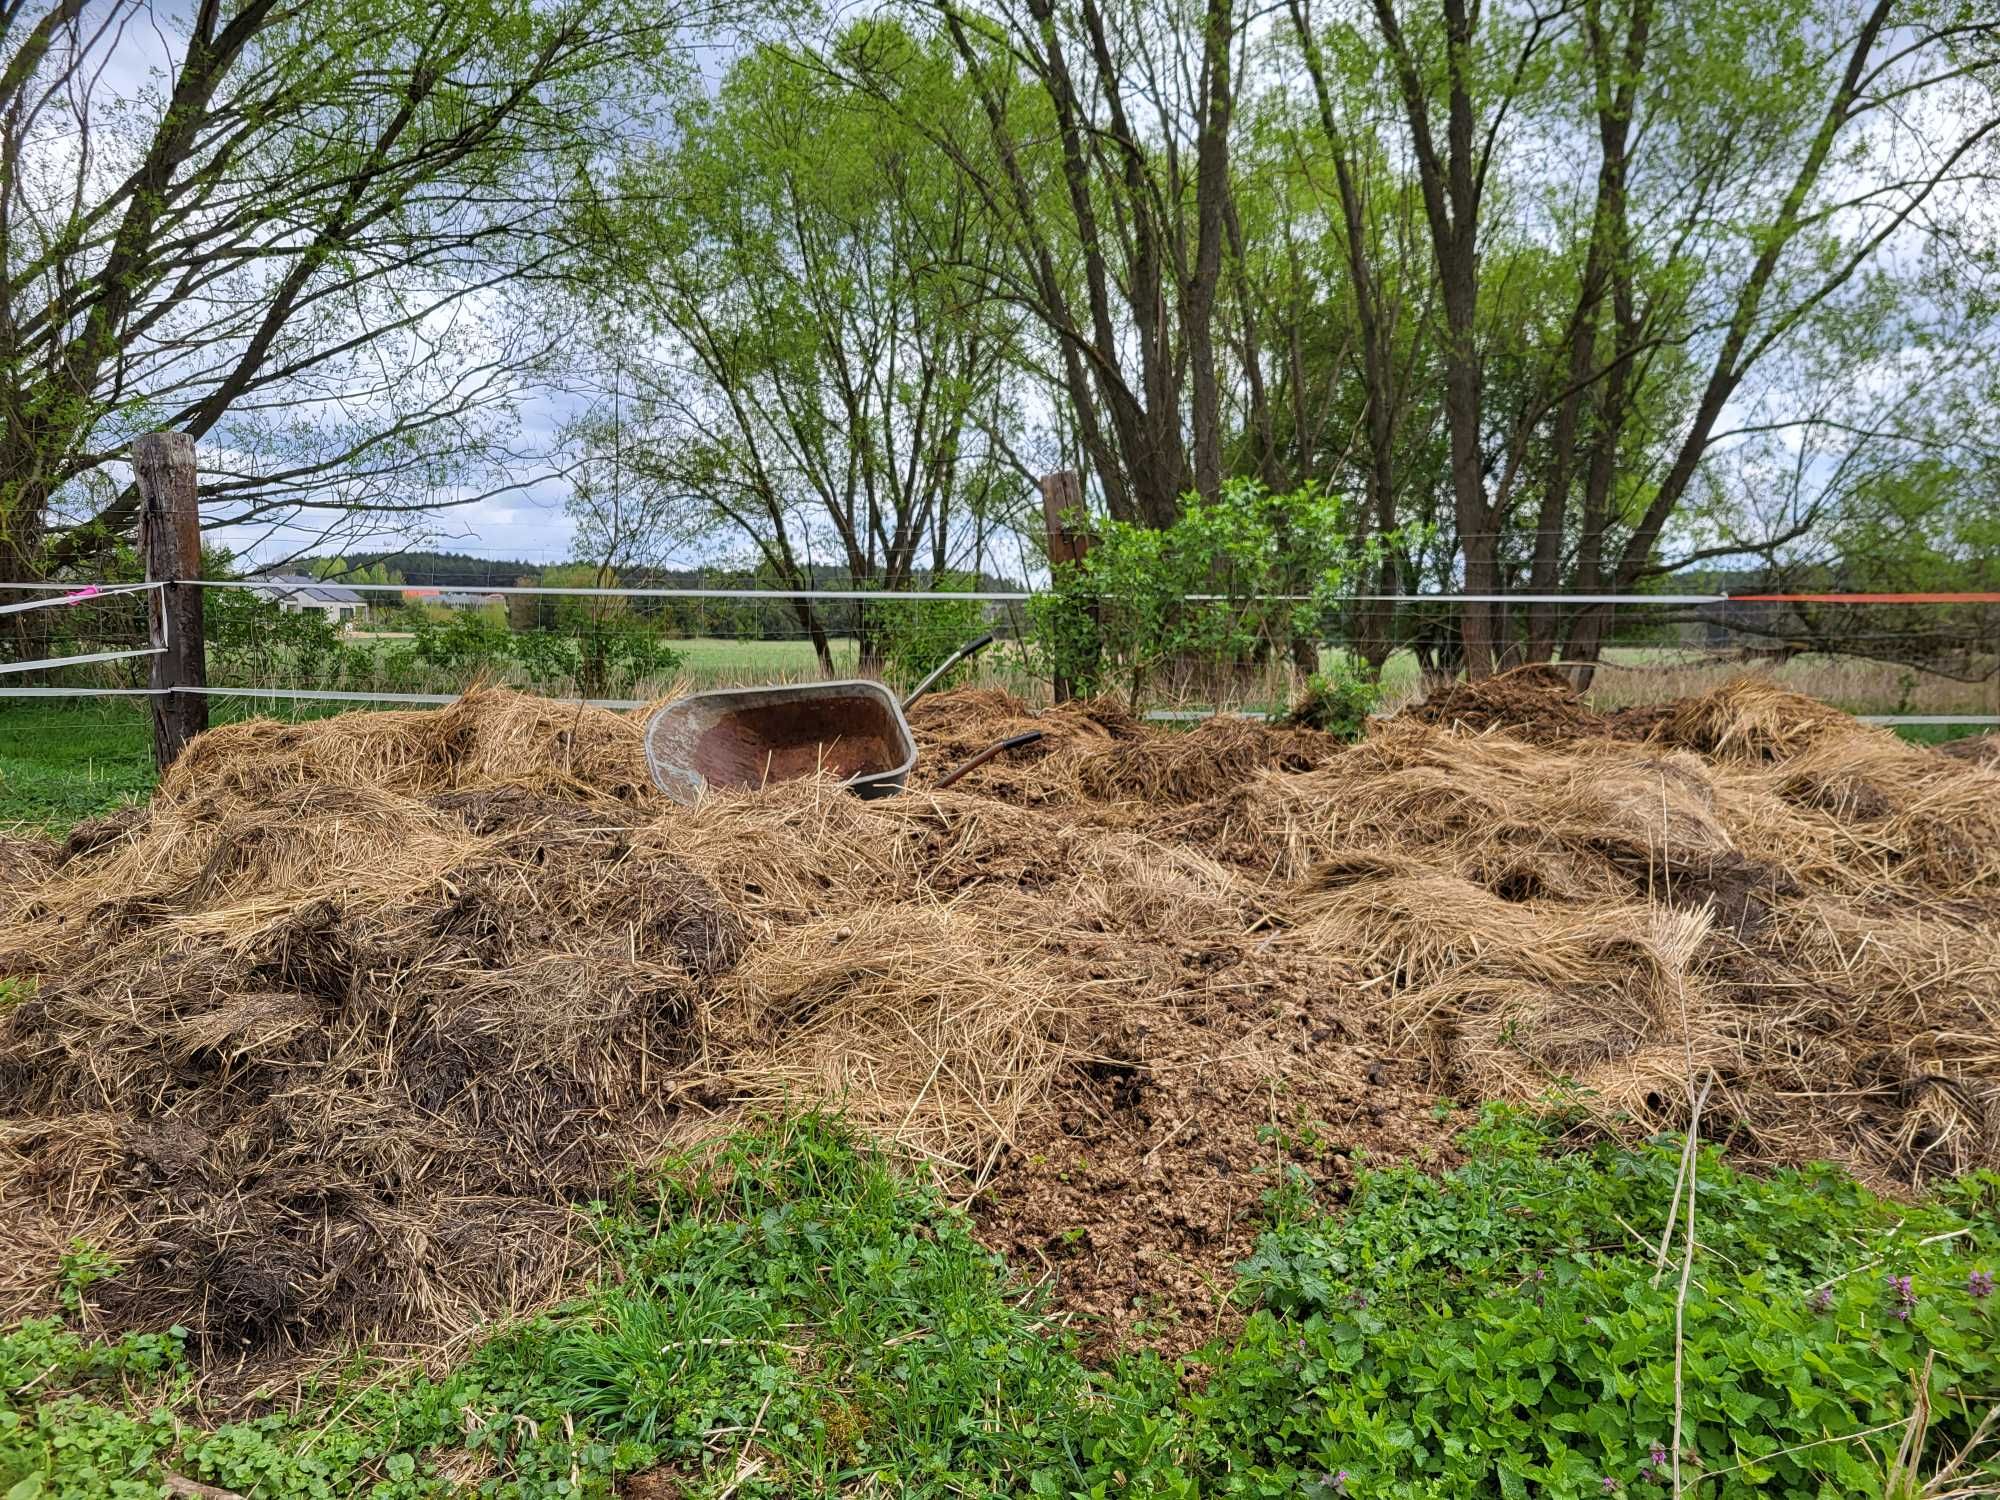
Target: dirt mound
<point x="1143" y="1191"/>
<point x="296" y="1062"/>
<point x="325" y="1043"/>
<point x="1538" y="703"/>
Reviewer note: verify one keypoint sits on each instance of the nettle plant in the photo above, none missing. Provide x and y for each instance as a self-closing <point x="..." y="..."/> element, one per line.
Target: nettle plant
<point x="1234" y="581"/>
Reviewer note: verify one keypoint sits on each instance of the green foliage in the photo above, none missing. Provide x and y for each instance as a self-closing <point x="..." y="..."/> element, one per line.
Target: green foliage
<point x="1498" y="1331"/>
<point x="253" y="643"/>
<point x="61" y="763"/>
<point x="788" y="1315"/>
<point x="1337" y="699"/>
<point x="592" y="654"/>
<point x="80" y="1266"/>
<point x="341" y="570"/>
<point x="1229" y="581"/>
<point x="912" y="638"/>
<point x="462" y="645"/>
<point x="796" y="1286"/>
<point x="96" y="1419"/>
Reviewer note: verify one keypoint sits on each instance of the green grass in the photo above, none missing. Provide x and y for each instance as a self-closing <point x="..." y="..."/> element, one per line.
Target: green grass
<point x="62" y="762"/>
<point x="704" y="655"/>
<point x="794" y="1317"/>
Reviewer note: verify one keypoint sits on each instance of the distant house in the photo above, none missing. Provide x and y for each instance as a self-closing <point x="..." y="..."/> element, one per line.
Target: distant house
<point x="295" y="594"/>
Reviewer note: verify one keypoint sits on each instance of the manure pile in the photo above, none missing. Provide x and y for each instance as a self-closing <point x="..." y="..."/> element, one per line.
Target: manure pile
<point x="325" y="1043"/>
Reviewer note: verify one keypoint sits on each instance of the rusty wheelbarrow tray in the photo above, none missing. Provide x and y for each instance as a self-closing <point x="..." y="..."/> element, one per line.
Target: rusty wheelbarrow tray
<point x="751" y="737"/>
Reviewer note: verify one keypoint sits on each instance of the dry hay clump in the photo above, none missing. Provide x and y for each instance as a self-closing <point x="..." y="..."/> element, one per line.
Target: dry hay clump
<point x="313" y="1057"/>
<point x="1980" y="749"/>
<point x="324" y="1044"/>
<point x="23" y="863"/>
<point x="490" y="738"/>
<point x="1538" y="703"/>
<point x="1630" y="916"/>
<point x="1096" y="753"/>
<point x="1752" y="718"/>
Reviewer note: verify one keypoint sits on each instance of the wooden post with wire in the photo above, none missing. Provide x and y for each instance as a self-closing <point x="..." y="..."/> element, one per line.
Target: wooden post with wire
<point x="170" y="542"/>
<point x="1062" y="504"/>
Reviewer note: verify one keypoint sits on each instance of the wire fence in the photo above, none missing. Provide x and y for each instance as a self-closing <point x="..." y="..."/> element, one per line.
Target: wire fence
<point x="1918" y="660"/>
<point x="81" y="716"/>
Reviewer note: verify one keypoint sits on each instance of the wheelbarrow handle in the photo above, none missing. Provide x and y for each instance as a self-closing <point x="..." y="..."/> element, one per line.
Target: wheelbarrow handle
<point x="970" y="648"/>
<point x="1014" y="742"/>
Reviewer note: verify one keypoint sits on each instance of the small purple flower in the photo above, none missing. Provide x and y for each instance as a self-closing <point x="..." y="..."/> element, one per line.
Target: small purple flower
<point x="1906" y="1297"/>
<point x="1980" y="1284"/>
<point x="1336" y="1483"/>
<point x="1356" y="1299"/>
<point x="1821" y="1300"/>
<point x="1658" y="1458"/>
<point x="1610" y="1485"/>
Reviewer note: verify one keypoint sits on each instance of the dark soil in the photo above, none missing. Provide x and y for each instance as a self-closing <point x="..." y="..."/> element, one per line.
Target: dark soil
<point x="1139" y="1199"/>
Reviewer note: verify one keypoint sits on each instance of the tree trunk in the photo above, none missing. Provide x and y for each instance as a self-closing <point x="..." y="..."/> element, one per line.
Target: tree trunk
<point x="1211" y="201"/>
<point x="27" y="633"/>
<point x="808" y="617"/>
<point x="1476" y="542"/>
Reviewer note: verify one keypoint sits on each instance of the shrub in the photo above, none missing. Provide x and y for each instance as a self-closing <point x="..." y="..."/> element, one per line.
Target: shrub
<point x="912" y="636"/>
<point x="1234" y="580"/>
<point x="253" y="643"/>
<point x="1338" y="700"/>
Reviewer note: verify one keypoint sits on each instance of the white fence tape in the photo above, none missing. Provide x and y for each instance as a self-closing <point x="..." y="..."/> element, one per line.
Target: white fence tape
<point x="330" y="695"/>
<point x="1993" y="719"/>
<point x="76" y="661"/>
<point x="82" y="692"/>
<point x="888" y="596"/>
<point x="77" y="596"/>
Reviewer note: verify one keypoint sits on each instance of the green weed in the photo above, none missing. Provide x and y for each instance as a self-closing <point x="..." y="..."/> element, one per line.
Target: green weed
<point x="790" y="1316"/>
<point x="1504" y="1331"/>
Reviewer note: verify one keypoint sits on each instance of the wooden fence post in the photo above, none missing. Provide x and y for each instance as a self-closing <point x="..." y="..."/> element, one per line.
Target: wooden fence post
<point x="170" y="542"/>
<point x="1062" y="497"/>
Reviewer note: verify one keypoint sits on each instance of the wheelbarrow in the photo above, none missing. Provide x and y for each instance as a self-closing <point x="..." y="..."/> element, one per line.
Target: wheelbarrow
<point x="751" y="737"/>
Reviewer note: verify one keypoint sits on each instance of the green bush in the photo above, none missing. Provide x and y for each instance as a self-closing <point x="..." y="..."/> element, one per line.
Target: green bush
<point x="1234" y="580"/>
<point x="1337" y="700"/>
<point x="913" y="636"/>
<point x="603" y="655"/>
<point x="253" y="643"/>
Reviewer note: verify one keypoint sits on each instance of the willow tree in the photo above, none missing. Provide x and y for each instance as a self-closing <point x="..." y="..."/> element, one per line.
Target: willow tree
<point x="800" y="305"/>
<point x="1733" y="201"/>
<point x="302" y="239"/>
